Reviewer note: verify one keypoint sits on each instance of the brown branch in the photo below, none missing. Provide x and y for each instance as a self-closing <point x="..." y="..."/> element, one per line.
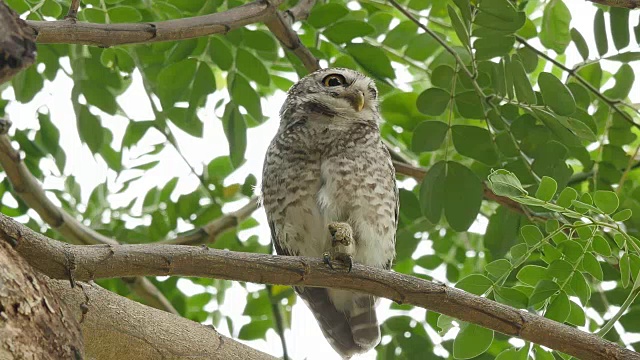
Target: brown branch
<point x="108" y="261"/>
<point x="629" y="4"/>
<point x="73" y="10"/>
<point x="17" y="47"/>
<point x="115" y="327"/>
<point x="301" y="10"/>
<point x="280" y="26"/>
<point x="28" y="188"/>
<point x="105" y="35"/>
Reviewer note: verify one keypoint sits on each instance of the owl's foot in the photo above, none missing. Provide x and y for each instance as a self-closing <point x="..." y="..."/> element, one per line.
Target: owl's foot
<point x="346" y="259"/>
<point x="341" y="234"/>
<point x="342" y="245"/>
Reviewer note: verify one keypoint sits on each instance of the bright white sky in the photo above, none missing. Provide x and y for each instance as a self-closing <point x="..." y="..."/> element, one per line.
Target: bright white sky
<point x="304" y="339"/>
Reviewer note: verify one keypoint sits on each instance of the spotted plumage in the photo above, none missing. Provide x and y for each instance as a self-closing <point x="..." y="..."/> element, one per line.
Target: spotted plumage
<point x="328" y="164"/>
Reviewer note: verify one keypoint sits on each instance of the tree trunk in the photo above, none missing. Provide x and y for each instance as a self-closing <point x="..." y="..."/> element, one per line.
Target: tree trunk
<point x="34" y="324"/>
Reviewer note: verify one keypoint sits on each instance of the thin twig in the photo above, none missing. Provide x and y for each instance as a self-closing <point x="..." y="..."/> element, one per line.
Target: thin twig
<point x="279" y="320"/>
<point x="73" y="10"/>
<point x="630" y="166"/>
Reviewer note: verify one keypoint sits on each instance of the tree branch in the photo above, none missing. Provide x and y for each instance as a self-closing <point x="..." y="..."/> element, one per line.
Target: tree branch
<point x="60" y="260"/>
<point x="17" y="47"/>
<point x="105" y="35"/>
<point x="27" y="187"/>
<point x="115" y="327"/>
<point x="629" y="4"/>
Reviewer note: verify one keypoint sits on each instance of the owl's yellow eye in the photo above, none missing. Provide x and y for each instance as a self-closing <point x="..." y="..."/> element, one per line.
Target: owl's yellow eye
<point x="334" y="80"/>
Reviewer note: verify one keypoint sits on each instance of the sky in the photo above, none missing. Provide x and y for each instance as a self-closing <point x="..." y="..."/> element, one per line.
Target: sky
<point x="304" y="339"/>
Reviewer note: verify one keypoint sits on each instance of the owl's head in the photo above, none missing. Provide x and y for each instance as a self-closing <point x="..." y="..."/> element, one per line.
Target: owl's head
<point x="331" y="93"/>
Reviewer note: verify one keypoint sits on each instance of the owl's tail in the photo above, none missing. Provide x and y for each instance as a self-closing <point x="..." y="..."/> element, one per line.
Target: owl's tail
<point x="349" y="332"/>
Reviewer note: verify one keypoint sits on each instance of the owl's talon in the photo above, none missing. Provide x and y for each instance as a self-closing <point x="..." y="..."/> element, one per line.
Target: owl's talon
<point x="326" y="258"/>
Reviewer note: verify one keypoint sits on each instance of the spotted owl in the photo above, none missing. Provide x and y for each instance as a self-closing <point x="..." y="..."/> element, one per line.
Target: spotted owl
<point x="329" y="191"/>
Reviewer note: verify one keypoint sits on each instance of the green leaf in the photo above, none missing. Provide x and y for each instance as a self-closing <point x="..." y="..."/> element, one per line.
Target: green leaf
<point x="559" y="269"/>
<point x="89" y="129"/>
<point x="592" y="266"/>
<point x="252" y="67"/>
<point x="174" y="79"/>
<point x="51" y="8"/>
<point x="600" y="33"/>
<point x="244" y="95"/>
<point x="433" y="101"/>
<point x="532" y="274"/>
<point x="625" y="270"/>
<point x="625" y="78"/>
<point x="235" y="129"/>
<point x="505" y="183"/>
<point x="472" y="340"/>
<point x="475" y="283"/>
<point x="326" y="14"/>
<point x="490" y="47"/>
<point x="581" y="43"/>
<point x="556" y="95"/>
<point x="619" y="19"/>
<point x="625" y="57"/>
<point x="521" y="83"/>
<point x="220" y="53"/>
<point x="546" y="189"/>
<point x="512" y="297"/>
<point x="26" y="84"/>
<point x="559" y="308"/>
<point x="420" y="47"/>
<point x="531" y="234"/>
<point x="256" y="329"/>
<point x="186" y="120"/>
<point x="428" y="136"/>
<point x="622" y="215"/>
<point x="499" y="15"/>
<point x="576" y="314"/>
<point x="607" y="201"/>
<point x="462" y="196"/>
<point x="601" y="245"/>
<point x="459" y="27"/>
<point x="371" y="58"/>
<point x="554" y="33"/>
<point x="469" y="105"/>
<point x="543" y="290"/>
<point x="135" y="131"/>
<point x="474" y="142"/>
<point x="580" y="287"/>
<point x="431" y="192"/>
<point x="124" y="14"/>
<point x="498" y="267"/>
<point x="344" y="31"/>
<point x="566" y="198"/>
<point x="259" y="40"/>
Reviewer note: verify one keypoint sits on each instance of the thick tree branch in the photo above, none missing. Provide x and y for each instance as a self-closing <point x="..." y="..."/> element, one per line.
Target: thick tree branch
<point x="115" y="327"/>
<point x="59" y="260"/>
<point x="27" y="187"/>
<point x="629" y="4"/>
<point x="72" y="32"/>
<point x="17" y="47"/>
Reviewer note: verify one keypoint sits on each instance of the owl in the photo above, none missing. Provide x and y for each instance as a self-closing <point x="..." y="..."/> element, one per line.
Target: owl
<point x="329" y="191"/>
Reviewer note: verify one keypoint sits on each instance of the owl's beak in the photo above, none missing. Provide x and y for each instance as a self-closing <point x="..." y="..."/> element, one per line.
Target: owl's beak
<point x="355" y="98"/>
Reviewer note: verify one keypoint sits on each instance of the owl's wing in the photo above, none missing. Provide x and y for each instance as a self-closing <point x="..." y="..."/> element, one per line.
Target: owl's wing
<point x="335" y="324"/>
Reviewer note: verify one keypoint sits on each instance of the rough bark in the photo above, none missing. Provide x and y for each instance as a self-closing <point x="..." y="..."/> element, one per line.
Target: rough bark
<point x="34" y="323"/>
<point x="86" y="262"/>
<point x="117" y="328"/>
<point x="17" y="43"/>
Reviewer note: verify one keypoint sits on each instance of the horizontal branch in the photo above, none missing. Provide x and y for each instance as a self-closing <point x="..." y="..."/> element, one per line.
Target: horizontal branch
<point x="28" y="188"/>
<point x="59" y="260"/>
<point x="115" y="327"/>
<point x="629" y="4"/>
<point x="75" y="32"/>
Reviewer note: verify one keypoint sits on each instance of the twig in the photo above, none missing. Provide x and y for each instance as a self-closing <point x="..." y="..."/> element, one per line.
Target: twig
<point x="630" y="166"/>
<point x="95" y="262"/>
<point x="277" y="315"/>
<point x="573" y="73"/>
<point x="280" y="26"/>
<point x="27" y="187"/>
<point x="629" y="4"/>
<point x="73" y="10"/>
<point x="105" y="35"/>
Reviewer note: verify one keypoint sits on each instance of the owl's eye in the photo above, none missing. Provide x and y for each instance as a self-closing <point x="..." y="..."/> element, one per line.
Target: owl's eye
<point x="334" y="80"/>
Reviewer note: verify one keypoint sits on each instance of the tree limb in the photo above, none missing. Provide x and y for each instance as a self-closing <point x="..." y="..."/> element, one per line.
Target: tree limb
<point x="60" y="260"/>
<point x="17" y="47"/>
<point x="105" y="35"/>
<point x="629" y="4"/>
<point x="28" y="188"/>
<point x="115" y="327"/>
